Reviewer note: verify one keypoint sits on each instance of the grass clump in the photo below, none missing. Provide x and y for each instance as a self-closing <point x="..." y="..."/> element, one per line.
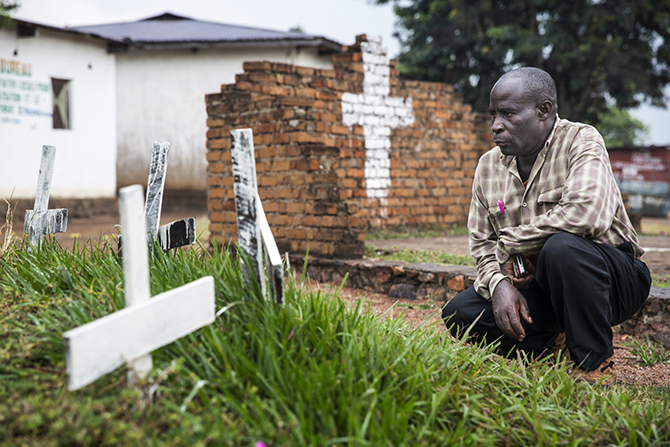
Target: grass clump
<point x="313" y="372"/>
<point x="647" y="352"/>
<point x="418" y="256"/>
<point x="406" y="232"/>
<point x="660" y="281"/>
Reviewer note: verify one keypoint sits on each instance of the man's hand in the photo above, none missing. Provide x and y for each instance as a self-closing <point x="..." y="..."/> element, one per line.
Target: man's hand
<point x="523" y="282"/>
<point x="508" y="304"/>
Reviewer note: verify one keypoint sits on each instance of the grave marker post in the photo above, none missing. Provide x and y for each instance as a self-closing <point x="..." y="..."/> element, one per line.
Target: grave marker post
<point x="135" y="262"/>
<point x="253" y="231"/>
<point x="174" y="234"/>
<point x="41" y="220"/>
<point x="155" y="186"/>
<point x="129" y="335"/>
<point x="246" y="205"/>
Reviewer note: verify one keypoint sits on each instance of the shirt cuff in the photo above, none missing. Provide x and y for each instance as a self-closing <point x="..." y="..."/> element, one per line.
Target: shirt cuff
<point x="497" y="278"/>
<point x="501" y="254"/>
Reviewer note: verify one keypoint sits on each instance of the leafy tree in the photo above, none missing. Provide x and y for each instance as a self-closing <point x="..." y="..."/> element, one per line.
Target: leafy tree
<point x="620" y="129"/>
<point x="596" y="50"/>
<point x="6" y="8"/>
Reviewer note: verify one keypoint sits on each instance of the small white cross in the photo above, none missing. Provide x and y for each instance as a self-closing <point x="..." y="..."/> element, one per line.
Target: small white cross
<point x="174" y="234"/>
<point x="41" y="220"/>
<point x="129" y="335"/>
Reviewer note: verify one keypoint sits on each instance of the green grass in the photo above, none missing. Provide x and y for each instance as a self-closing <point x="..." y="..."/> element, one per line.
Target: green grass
<point x="418" y="256"/>
<point x="313" y="372"/>
<point x="660" y="281"/>
<point x="647" y="352"/>
<point x="406" y="232"/>
<point x="655" y="226"/>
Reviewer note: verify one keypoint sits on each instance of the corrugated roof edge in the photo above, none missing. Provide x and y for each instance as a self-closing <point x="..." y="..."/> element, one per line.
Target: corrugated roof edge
<point x="66" y="30"/>
<point x="322" y="42"/>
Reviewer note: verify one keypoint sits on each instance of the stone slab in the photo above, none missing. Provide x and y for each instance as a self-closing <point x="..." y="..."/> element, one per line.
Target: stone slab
<point x="653" y="319"/>
<point x="400" y="279"/>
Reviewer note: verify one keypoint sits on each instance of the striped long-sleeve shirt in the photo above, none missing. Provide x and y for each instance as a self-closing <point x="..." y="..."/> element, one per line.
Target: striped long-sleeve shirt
<point x="571" y="188"/>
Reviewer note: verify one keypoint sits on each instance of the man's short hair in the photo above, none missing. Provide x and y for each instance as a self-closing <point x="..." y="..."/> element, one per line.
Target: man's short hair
<point x="538" y="85"/>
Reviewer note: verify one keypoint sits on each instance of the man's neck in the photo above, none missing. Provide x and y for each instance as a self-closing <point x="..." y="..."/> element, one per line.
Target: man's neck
<point x="525" y="164"/>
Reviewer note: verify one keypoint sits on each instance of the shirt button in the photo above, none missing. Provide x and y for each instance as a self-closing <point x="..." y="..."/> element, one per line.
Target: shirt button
<point x="525" y="204"/>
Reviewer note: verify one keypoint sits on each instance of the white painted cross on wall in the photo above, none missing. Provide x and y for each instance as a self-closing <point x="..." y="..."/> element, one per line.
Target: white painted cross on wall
<point x="377" y="112"/>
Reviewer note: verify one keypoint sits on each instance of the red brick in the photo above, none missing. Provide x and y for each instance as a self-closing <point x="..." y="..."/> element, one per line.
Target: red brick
<point x="256" y="66"/>
<point x="214" y="133"/>
<point x="219" y="143"/>
<point x="334" y="221"/>
<point x="307" y="137"/>
<point x="282" y="219"/>
<point x="266" y="128"/>
<point x="338" y="129"/>
<point x="281" y="67"/>
<point x="304" y="71"/>
<point x="269" y="180"/>
<point x="311" y="221"/>
<point x="280" y="138"/>
<point x="262" y="77"/>
<point x="217" y="167"/>
<point x="296" y="233"/>
<point x="281" y="165"/>
<point x="296" y="101"/>
<point x="306" y="92"/>
<point x="213" y="155"/>
<point x="295" y="208"/>
<point x="278" y="91"/>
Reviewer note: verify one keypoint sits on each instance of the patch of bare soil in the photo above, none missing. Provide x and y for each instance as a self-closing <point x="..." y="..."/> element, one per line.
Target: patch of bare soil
<point x="427" y="313"/>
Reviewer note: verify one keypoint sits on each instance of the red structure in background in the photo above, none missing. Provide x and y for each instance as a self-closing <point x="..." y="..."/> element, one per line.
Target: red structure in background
<point x="644" y="173"/>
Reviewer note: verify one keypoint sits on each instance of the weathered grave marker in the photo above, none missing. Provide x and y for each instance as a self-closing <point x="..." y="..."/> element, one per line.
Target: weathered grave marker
<point x="253" y="232"/>
<point x="174" y="234"/>
<point x="41" y="220"/>
<point x="129" y="335"/>
<point x="272" y="257"/>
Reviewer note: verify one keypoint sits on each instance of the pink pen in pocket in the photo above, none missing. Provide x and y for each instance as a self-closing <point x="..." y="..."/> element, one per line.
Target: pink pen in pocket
<point x="502" y="208"/>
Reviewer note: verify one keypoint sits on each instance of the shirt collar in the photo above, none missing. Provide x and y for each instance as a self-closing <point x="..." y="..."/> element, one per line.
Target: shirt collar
<point x="507" y="159"/>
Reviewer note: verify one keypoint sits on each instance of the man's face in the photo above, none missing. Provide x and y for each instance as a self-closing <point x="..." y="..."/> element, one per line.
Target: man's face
<point x="517" y="123"/>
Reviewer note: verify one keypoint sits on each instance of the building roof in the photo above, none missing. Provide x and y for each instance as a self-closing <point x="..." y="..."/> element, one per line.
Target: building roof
<point x="169" y="30"/>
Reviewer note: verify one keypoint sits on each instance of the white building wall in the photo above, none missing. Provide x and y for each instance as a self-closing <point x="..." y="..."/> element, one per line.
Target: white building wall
<point x="86" y="154"/>
<point x="161" y="97"/>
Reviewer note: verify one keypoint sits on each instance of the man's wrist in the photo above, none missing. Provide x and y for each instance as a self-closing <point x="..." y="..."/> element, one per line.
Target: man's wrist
<point x="496" y="280"/>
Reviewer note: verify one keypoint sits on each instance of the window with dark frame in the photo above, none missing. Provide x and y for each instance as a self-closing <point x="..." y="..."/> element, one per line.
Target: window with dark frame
<point x="60" y="89"/>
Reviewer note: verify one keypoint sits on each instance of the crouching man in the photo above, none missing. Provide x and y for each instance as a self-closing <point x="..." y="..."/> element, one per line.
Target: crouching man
<point x="546" y="196"/>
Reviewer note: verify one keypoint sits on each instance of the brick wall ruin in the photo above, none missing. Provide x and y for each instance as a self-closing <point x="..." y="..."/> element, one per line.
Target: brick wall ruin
<point x="340" y="151"/>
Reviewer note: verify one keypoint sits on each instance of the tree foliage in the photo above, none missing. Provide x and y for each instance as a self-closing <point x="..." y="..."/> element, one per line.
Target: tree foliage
<point x="600" y="52"/>
<point x="6" y="8"/>
<point x="620" y="129"/>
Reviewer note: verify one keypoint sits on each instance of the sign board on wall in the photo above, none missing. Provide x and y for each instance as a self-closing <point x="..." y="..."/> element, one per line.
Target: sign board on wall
<point x="23" y="98"/>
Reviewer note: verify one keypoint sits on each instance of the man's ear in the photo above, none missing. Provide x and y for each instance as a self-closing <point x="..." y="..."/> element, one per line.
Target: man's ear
<point x="545" y="110"/>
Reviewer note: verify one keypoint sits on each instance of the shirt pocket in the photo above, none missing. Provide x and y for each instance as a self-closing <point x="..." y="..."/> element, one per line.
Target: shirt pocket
<point x="497" y="218"/>
<point x="549" y="199"/>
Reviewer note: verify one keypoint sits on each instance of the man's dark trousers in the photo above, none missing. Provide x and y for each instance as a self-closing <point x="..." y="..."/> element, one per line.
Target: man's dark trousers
<point x="581" y="288"/>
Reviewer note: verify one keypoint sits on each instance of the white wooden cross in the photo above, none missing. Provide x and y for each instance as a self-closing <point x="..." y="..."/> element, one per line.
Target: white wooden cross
<point x="253" y="231"/>
<point x="129" y="335"/>
<point x="174" y="234"/>
<point x="41" y="220"/>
